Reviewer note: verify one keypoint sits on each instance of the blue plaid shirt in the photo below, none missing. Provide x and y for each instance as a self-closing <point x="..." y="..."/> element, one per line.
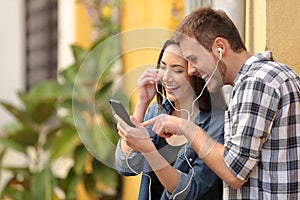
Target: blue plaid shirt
<point x="205" y="184"/>
<point x="262" y="131"/>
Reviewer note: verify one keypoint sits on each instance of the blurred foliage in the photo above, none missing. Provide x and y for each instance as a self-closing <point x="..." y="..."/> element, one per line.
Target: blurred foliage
<point x="58" y="119"/>
<point x="43" y="136"/>
<point x="104" y="15"/>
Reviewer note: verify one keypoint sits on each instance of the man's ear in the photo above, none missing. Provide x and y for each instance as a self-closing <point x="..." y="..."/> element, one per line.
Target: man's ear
<point x="219" y="47"/>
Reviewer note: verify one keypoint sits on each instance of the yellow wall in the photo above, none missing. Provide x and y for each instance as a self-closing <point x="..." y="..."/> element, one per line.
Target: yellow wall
<point x="283" y="31"/>
<point x="274" y="25"/>
<point x="140" y="14"/>
<point x="83" y="26"/>
<point x="255" y="26"/>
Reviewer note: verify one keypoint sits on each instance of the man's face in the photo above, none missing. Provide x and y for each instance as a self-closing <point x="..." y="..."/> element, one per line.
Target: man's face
<point x="201" y="63"/>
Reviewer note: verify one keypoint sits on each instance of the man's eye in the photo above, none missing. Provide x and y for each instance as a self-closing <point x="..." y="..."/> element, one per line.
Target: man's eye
<point x="192" y="60"/>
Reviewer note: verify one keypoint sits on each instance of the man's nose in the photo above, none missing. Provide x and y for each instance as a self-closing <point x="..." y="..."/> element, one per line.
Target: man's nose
<point x="192" y="70"/>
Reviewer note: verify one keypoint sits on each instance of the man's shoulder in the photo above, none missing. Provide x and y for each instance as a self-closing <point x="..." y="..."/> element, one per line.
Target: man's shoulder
<point x="270" y="72"/>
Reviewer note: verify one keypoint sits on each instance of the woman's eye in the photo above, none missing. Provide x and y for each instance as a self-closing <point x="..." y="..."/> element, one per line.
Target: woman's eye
<point x="163" y="67"/>
<point x="178" y="71"/>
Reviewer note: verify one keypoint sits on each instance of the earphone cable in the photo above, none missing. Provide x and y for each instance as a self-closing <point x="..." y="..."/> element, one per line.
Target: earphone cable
<point x="150" y="180"/>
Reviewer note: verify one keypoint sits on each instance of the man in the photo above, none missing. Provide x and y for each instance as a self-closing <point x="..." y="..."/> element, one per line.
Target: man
<point x="260" y="158"/>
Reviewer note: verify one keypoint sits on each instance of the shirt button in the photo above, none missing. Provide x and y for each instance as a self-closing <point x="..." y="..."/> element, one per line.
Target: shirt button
<point x="190" y="159"/>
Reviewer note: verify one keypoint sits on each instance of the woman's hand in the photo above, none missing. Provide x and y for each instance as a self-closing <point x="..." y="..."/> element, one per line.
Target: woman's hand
<point x="147" y="85"/>
<point x="135" y="137"/>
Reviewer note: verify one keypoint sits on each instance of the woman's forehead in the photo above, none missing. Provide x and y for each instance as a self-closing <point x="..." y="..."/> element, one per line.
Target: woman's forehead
<point x="174" y="49"/>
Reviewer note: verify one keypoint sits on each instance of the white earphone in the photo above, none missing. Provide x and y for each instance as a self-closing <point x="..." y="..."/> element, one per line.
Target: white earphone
<point x="220" y="52"/>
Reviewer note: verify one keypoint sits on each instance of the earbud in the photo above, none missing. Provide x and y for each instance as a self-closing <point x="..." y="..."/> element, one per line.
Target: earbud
<point x="220" y="52"/>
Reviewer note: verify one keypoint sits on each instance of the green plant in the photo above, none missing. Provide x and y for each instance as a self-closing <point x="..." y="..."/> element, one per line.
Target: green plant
<point x="44" y="130"/>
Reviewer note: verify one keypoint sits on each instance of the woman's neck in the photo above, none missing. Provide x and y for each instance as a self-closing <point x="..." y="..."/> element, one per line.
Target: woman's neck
<point x="187" y="111"/>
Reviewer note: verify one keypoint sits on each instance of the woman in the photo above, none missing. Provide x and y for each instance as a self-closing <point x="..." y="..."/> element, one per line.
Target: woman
<point x="171" y="168"/>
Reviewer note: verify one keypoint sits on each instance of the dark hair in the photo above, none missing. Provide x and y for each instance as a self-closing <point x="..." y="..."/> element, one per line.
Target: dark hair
<point x="206" y="24"/>
<point x="204" y="101"/>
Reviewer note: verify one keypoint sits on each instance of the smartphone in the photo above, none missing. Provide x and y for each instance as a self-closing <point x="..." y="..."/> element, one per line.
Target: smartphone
<point x="119" y="109"/>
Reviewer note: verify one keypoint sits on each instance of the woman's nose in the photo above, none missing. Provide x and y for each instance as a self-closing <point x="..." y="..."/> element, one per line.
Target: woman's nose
<point x="167" y="75"/>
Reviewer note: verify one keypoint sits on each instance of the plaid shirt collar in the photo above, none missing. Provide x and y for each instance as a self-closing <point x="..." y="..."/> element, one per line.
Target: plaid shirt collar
<point x="263" y="56"/>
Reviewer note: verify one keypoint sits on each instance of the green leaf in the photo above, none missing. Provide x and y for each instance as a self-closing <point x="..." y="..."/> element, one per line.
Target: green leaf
<point x="51" y="136"/>
<point x="81" y="156"/>
<point x="68" y="119"/>
<point x="66" y="142"/>
<point x="21" y="133"/>
<point x="41" y="111"/>
<point x="100" y="172"/>
<point x="104" y="90"/>
<point x="42" y="185"/>
<point x="16" y="193"/>
<point x="69" y="184"/>
<point x="8" y="143"/>
<point x="47" y="90"/>
<point x="69" y="74"/>
<point x="40" y="102"/>
<point x="12" y="128"/>
<point x="22" y="96"/>
<point x="89" y="183"/>
<point x="19" y="114"/>
<point x="2" y="153"/>
<point x="79" y="54"/>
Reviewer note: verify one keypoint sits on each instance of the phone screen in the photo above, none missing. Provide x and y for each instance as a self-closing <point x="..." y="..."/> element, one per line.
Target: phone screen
<point x="121" y="111"/>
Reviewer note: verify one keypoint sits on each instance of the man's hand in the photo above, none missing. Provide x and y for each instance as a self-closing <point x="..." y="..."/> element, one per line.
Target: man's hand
<point x="167" y="125"/>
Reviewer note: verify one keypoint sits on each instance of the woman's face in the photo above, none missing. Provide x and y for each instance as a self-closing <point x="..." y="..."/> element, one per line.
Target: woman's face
<point x="173" y="74"/>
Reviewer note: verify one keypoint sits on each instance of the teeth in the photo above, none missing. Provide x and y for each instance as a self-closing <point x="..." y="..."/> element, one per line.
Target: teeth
<point x="171" y="87"/>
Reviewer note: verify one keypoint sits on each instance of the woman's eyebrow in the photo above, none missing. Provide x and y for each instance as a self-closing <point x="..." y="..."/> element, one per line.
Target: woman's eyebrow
<point x="162" y="62"/>
<point x="173" y="65"/>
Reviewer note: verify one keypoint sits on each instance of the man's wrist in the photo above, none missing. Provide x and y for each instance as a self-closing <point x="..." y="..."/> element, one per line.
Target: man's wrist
<point x="207" y="145"/>
<point x="148" y="148"/>
<point x="189" y="130"/>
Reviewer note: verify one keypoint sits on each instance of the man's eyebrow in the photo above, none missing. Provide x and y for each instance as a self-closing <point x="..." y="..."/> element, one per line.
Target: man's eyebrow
<point x="190" y="57"/>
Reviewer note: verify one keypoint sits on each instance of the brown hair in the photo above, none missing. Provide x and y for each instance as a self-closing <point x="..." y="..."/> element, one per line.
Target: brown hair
<point x="205" y="24"/>
<point x="204" y="101"/>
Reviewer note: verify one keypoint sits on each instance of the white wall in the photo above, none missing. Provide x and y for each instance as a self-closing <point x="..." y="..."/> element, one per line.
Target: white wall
<point x="12" y="53"/>
<point x="12" y="61"/>
<point x="235" y="10"/>
<point x="12" y="57"/>
<point x="66" y="32"/>
<point x="12" y="47"/>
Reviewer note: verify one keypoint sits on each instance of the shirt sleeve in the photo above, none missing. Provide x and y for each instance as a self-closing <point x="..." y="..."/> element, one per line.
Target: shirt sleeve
<point x="247" y="125"/>
<point x="193" y="182"/>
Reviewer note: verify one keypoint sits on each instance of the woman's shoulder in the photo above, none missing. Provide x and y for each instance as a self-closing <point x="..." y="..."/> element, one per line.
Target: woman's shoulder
<point x="153" y="110"/>
<point x="157" y="109"/>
